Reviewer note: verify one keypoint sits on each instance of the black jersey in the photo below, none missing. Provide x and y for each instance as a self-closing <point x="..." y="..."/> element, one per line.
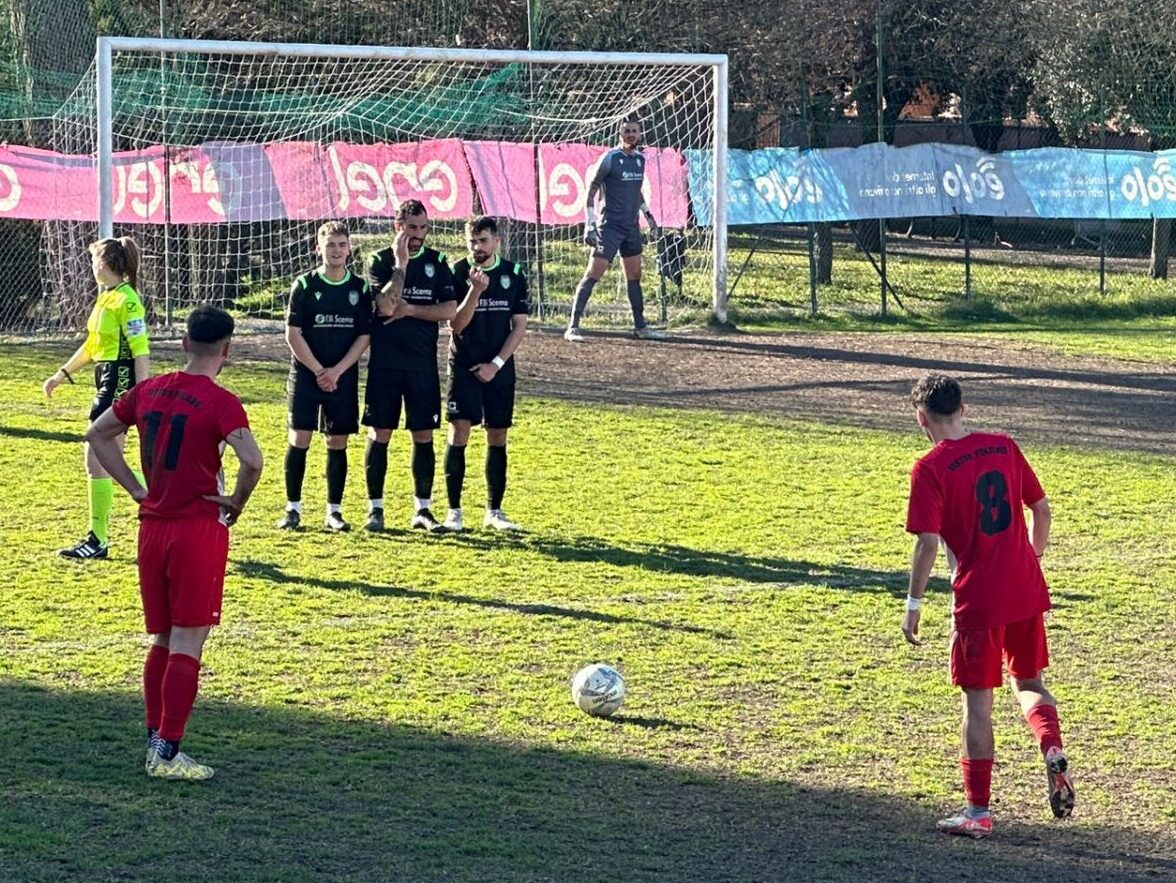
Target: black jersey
<point x="409" y="344"/>
<point x="504" y="298"/>
<point x="620" y="176"/>
<point x="331" y="315"/>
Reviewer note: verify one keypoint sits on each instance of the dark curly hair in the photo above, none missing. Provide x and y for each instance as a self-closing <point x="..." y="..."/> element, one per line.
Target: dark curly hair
<point x="937" y="394"/>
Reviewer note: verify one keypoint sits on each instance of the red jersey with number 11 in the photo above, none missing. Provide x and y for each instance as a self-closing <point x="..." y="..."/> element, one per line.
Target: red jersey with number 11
<point x="183" y="421"/>
<point x="971" y="491"/>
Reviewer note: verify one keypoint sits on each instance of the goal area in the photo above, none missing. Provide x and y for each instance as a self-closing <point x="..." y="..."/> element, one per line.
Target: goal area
<point x="223" y="158"/>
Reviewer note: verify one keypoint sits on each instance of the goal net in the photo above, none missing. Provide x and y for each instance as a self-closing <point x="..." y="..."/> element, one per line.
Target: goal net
<point x="223" y="158"/>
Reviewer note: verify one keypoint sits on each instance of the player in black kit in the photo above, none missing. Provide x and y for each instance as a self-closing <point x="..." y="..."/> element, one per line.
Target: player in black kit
<point x="413" y="288"/>
<point x="619" y="176"/>
<point x="489" y="326"/>
<point x="327" y="326"/>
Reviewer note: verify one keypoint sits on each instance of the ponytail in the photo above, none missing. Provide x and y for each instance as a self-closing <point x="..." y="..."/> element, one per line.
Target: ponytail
<point x="131" y="253"/>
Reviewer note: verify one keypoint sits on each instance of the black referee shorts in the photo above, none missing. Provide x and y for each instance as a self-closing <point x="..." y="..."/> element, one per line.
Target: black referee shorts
<point x="470" y="399"/>
<point x="613" y="239"/>
<point x="331" y="413"/>
<point x="112" y="380"/>
<point x="418" y="391"/>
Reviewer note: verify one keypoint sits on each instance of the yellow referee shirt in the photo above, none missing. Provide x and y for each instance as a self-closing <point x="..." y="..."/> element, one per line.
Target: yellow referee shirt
<point x="117" y="327"/>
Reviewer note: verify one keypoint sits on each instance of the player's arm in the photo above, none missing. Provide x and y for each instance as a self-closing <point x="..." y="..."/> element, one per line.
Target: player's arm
<point x="645" y="210"/>
<point x="134" y="328"/>
<point x="79" y="360"/>
<point x="102" y="437"/>
<point x="350" y="358"/>
<point x="1042" y="518"/>
<point x="294" y="338"/>
<point x="442" y="312"/>
<point x="249" y="463"/>
<point x="476" y="284"/>
<point x="518" y="318"/>
<point x="301" y="350"/>
<point x="445" y="295"/>
<point x="388" y="284"/>
<point x="922" y="561"/>
<point x="591" y="226"/>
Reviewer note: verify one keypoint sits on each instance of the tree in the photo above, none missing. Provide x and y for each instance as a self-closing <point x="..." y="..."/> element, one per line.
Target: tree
<point x="1109" y="64"/>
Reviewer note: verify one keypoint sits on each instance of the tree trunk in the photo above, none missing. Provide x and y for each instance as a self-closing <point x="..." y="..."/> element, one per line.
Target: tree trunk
<point x="824" y="253"/>
<point x="1161" y="248"/>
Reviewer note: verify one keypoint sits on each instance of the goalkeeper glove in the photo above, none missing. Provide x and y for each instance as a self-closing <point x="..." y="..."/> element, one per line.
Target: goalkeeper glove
<point x="591" y="234"/>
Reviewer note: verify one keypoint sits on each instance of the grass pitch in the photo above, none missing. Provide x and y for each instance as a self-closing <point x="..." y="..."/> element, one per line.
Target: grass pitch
<point x="396" y="707"/>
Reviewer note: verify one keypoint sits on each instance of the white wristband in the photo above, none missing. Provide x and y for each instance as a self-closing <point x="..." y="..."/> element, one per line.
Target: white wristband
<point x="913" y="604"/>
<point x="499" y="361"/>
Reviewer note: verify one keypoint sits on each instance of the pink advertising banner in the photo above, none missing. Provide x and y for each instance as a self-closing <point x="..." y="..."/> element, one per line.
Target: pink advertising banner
<point x="223" y="182"/>
<point x="371" y="180"/>
<point x="42" y="185"/>
<point x="504" y="173"/>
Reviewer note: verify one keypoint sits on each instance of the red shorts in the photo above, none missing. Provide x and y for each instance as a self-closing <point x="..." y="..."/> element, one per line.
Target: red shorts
<point x="182" y="571"/>
<point x="976" y="654"/>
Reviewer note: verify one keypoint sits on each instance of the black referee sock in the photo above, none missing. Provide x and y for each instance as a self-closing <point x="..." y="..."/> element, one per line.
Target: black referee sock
<point x="336" y="475"/>
<point x="424" y="464"/>
<point x="583" y="292"/>
<point x="637" y="302"/>
<point x="455" y="469"/>
<point x="375" y="468"/>
<point x="295" y="472"/>
<point x="495" y="476"/>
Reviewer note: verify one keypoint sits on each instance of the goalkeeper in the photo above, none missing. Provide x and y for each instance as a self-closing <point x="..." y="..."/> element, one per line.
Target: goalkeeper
<point x="619" y="176"/>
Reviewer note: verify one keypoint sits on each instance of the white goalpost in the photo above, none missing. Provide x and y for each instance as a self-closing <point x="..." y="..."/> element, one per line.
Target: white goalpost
<point x="222" y="157"/>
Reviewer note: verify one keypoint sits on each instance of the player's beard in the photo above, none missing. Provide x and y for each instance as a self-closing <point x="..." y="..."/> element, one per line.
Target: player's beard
<point x="480" y="258"/>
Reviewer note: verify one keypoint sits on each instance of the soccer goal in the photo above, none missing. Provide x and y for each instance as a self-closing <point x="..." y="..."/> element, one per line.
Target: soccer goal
<point x="222" y="158"/>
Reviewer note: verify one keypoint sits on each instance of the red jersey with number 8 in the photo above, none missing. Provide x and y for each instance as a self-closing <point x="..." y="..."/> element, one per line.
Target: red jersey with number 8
<point x="972" y="492"/>
<point x="183" y="421"/>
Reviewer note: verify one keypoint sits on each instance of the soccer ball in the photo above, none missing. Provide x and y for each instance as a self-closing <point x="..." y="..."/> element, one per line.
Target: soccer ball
<point x="598" y="689"/>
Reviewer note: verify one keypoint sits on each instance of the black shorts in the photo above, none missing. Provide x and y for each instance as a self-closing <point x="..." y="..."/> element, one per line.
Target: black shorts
<point x="613" y="239"/>
<point x="331" y="413"/>
<point x="112" y="380"/>
<point x="420" y="391"/>
<point x="470" y="399"/>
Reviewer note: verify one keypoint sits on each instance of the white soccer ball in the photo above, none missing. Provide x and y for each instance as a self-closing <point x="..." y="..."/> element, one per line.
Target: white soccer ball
<point x="598" y="689"/>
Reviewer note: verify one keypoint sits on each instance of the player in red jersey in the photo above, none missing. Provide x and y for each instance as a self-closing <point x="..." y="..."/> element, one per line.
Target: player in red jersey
<point x="184" y="421"/>
<point x="969" y="492"/>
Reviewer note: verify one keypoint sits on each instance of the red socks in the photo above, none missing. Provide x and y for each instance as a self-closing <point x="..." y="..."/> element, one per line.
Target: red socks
<point x="1043" y="720"/>
<point x="153" y="669"/>
<point x="977" y="779"/>
<point x="180" y="682"/>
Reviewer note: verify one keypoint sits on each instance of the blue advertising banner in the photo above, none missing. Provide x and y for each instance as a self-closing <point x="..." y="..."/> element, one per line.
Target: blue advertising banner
<point x="791" y="186"/>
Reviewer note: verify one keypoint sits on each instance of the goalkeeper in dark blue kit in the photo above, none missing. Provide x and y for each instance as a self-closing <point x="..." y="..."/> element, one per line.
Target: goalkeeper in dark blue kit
<point x="619" y="177"/>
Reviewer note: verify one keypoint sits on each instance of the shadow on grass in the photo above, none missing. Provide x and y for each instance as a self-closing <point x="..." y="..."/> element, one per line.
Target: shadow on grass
<point x="274" y="573"/>
<point x="683" y="560"/>
<point x="302" y="796"/>
<point x="73" y="438"/>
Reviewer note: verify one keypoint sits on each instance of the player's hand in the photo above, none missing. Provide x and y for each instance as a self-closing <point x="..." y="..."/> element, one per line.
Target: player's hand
<point x="400" y="249"/>
<point x="401" y="310"/>
<point x="910" y="628"/>
<point x="591" y="235"/>
<point x="479" y="281"/>
<point x="230" y="508"/>
<point x="51" y="384"/>
<point x="654" y="229"/>
<point x="139" y="494"/>
<point x="328" y="379"/>
<point x="484" y="371"/>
